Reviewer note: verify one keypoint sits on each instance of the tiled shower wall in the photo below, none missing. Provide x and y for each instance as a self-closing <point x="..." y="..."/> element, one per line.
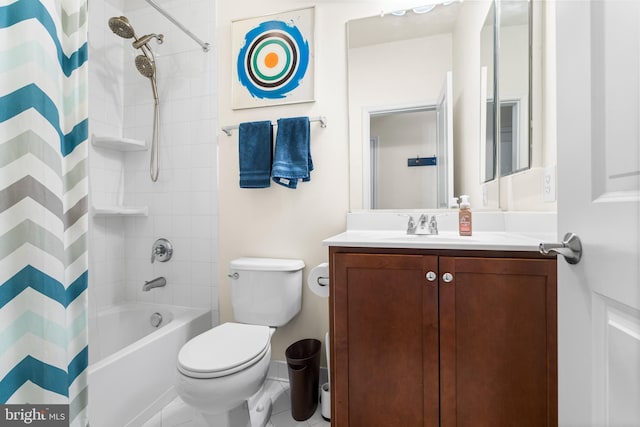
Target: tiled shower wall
<point x="183" y="202"/>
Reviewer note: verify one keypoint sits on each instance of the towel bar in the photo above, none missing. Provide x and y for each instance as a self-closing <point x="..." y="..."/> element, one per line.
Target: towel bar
<point x="321" y="119"/>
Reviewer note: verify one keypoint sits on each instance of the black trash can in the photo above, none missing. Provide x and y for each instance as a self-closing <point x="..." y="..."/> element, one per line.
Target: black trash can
<point x="303" y="363"/>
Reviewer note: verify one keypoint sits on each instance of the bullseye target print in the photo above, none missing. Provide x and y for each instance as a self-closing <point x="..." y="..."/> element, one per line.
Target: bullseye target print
<point x="274" y="61"/>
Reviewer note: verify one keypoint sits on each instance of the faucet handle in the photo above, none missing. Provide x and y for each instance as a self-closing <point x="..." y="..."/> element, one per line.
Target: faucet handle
<point x="411" y="225"/>
<point x="433" y="225"/>
<point x="162" y="249"/>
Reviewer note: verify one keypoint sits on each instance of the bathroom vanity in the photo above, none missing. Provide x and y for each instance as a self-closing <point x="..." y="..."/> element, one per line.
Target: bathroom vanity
<point x="439" y="331"/>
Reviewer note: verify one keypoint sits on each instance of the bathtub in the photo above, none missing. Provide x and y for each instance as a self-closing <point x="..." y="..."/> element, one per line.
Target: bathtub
<point x="132" y="364"/>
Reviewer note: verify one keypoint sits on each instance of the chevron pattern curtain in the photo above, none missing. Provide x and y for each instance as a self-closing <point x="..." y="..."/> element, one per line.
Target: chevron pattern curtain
<point x="43" y="204"/>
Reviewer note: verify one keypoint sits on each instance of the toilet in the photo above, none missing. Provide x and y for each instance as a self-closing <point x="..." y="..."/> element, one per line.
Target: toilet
<point x="222" y="369"/>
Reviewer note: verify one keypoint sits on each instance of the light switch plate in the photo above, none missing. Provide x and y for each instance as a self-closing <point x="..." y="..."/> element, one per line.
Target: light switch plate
<point x="549" y="184"/>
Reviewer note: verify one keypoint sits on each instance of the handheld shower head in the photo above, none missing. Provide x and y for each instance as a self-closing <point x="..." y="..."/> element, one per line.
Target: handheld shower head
<point x="147" y="68"/>
<point x="121" y="26"/>
<point x="146" y="39"/>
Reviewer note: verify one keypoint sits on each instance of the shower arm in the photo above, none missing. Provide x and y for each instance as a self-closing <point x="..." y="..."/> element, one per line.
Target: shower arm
<point x="205" y="46"/>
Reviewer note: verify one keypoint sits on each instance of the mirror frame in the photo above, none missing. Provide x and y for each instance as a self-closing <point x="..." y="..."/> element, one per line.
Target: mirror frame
<point x="498" y="99"/>
<point x="485" y="98"/>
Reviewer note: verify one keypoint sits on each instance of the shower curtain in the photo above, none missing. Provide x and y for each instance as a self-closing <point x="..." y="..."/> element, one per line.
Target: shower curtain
<point x="43" y="204"/>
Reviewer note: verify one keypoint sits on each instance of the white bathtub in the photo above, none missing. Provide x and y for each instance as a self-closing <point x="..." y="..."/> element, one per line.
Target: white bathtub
<point x="132" y="365"/>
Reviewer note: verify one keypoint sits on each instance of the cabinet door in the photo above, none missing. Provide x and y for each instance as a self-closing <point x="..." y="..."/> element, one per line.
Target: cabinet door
<point x="498" y="357"/>
<point x="385" y="327"/>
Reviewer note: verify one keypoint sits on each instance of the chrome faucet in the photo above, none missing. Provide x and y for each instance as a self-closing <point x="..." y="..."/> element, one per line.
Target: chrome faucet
<point x="422" y="221"/>
<point x="425" y="226"/>
<point x="158" y="282"/>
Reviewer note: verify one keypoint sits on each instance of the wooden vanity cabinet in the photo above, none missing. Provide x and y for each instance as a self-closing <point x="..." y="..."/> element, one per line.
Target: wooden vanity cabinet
<point x="409" y="348"/>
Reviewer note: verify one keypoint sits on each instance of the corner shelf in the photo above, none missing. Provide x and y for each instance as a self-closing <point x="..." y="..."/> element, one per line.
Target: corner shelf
<point x="118" y="143"/>
<point x="120" y="211"/>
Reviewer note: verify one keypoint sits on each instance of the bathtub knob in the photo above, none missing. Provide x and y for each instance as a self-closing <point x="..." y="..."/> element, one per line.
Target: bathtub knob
<point x="162" y="250"/>
<point x="156" y="319"/>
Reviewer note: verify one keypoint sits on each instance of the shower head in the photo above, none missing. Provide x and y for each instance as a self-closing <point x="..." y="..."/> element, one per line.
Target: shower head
<point x="120" y="26"/>
<point x="146" y="39"/>
<point x="145" y="66"/>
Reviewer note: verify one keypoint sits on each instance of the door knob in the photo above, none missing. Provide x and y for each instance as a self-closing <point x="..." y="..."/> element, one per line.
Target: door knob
<point x="431" y="276"/>
<point x="570" y="248"/>
<point x="447" y="277"/>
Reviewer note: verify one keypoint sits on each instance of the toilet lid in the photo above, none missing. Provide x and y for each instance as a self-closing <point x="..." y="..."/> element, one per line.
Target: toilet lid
<point x="224" y="350"/>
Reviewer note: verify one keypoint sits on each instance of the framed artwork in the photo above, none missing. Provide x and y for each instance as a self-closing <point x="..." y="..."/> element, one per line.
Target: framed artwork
<point x="273" y="59"/>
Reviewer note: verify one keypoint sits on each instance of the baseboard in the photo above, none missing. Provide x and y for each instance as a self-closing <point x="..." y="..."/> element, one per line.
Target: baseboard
<point x="278" y="371"/>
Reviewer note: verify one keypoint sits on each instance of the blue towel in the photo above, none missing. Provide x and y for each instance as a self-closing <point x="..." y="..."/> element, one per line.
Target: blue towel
<point x="255" y="142"/>
<point x="292" y="158"/>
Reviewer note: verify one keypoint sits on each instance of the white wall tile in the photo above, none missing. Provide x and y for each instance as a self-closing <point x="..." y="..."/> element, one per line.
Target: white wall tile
<point x="182" y="202"/>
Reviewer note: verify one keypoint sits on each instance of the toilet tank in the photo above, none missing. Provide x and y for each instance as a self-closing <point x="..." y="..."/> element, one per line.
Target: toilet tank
<point x="266" y="291"/>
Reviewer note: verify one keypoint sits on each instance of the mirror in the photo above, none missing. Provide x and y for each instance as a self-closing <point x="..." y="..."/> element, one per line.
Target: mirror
<point x="487" y="114"/>
<point x="401" y="108"/>
<point x="514" y="85"/>
<point x="512" y="143"/>
<point x="398" y="64"/>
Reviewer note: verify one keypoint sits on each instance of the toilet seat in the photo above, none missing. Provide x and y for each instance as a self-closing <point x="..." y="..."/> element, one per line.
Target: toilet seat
<point x="224" y="350"/>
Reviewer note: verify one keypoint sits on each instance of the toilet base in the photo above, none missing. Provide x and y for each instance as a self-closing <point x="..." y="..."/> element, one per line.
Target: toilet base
<point x="255" y="412"/>
<point x="236" y="417"/>
<point x="260" y="408"/>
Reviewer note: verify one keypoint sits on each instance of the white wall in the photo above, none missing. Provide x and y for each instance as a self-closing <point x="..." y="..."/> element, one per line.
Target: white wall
<point x="523" y="191"/>
<point x="277" y="221"/>
<point x="520" y="191"/>
<point x="183" y="203"/>
<point x="466" y="101"/>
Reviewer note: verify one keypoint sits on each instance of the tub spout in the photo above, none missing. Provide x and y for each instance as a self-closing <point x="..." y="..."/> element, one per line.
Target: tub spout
<point x="155" y="283"/>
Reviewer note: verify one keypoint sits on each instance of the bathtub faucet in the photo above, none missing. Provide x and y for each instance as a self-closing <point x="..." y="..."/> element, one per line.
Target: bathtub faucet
<point x="155" y="283"/>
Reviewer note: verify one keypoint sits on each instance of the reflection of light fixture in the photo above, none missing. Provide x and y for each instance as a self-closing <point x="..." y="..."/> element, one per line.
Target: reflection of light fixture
<point x="423" y="9"/>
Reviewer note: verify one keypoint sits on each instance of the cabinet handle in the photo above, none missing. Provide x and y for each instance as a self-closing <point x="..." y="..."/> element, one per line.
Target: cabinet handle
<point x="447" y="277"/>
<point x="431" y="276"/>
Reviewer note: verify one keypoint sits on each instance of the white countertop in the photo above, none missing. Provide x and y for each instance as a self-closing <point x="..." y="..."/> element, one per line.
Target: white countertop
<point x="482" y="240"/>
<point x="492" y="231"/>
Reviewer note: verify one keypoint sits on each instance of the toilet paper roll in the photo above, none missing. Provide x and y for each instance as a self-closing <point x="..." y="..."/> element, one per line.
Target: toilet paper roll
<point x="318" y="280"/>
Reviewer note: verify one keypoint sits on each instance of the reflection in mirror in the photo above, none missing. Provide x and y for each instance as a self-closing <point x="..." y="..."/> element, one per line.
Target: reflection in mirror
<point x="410" y="151"/>
<point x="400" y="98"/>
<point x="514" y="85"/>
<point x="403" y="155"/>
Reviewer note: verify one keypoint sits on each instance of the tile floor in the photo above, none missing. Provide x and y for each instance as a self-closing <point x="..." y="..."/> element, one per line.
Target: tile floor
<point x="177" y="414"/>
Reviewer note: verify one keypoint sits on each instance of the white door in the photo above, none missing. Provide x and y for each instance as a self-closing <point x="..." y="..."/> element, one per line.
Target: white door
<point x="444" y="109"/>
<point x="598" y="87"/>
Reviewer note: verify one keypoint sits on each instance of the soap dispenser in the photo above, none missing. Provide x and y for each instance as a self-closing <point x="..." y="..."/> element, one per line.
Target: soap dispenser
<point x="464" y="216"/>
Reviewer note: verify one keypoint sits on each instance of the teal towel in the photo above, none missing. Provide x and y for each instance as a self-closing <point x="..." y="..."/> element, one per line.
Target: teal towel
<point x="255" y="145"/>
<point x="292" y="157"/>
